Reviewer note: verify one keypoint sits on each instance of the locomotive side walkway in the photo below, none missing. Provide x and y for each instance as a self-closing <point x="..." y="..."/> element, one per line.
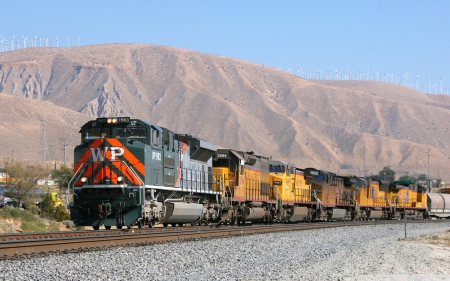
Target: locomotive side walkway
<point x="371" y="252"/>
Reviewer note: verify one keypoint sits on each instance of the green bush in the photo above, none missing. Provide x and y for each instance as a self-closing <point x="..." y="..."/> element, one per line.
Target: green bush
<point x="30" y="206"/>
<point x="33" y="226"/>
<point x="16" y="213"/>
<point x="61" y="214"/>
<point x="69" y="224"/>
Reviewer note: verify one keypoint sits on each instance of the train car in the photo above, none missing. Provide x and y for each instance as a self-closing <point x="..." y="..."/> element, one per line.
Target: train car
<point x="351" y="198"/>
<point x="326" y="191"/>
<point x="131" y="172"/>
<point x="406" y="199"/>
<point x="247" y="196"/>
<point x="295" y="198"/>
<point x="438" y="205"/>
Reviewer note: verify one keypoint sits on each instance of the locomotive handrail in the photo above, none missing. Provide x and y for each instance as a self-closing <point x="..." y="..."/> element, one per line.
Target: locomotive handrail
<point x="134" y="173"/>
<point x="74" y="175"/>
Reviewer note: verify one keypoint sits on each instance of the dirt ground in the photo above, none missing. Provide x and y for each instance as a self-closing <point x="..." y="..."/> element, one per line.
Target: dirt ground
<point x="439" y="243"/>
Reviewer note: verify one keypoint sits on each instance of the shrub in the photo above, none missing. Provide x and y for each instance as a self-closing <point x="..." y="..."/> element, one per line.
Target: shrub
<point x="30" y="206"/>
<point x="33" y="226"/>
<point x="16" y="213"/>
<point x="69" y="224"/>
<point x="61" y="214"/>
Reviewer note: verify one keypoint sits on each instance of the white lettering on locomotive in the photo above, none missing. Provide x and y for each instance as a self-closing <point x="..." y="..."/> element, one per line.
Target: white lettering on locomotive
<point x="98" y="154"/>
<point x="116" y="151"/>
<point x="156" y="156"/>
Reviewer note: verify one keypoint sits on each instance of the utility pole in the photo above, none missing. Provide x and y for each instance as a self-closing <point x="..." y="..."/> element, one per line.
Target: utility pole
<point x="365" y="162"/>
<point x="65" y="154"/>
<point x="429" y="180"/>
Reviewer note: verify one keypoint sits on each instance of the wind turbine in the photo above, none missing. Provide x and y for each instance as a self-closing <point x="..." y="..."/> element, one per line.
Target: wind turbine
<point x="446" y="88"/>
<point x="328" y="74"/>
<point x="46" y="41"/>
<point x="5" y="44"/>
<point x="417" y="85"/>
<point x="440" y="81"/>
<point x="429" y="84"/>
<point x="3" y="40"/>
<point x="434" y="89"/>
<point x="377" y="75"/>
<point x="68" y="44"/>
<point x="24" y="41"/>
<point x="35" y="37"/>
<point x="56" y="41"/>
<point x="337" y="74"/>
<point x="318" y="74"/>
<point x="12" y="43"/>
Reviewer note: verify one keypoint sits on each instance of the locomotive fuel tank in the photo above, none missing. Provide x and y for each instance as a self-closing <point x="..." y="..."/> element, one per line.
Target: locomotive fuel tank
<point x="337" y="215"/>
<point x="298" y="214"/>
<point x="180" y="212"/>
<point x="253" y="214"/>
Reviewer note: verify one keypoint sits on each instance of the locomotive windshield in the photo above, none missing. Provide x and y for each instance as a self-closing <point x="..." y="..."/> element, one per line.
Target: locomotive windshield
<point x="129" y="132"/>
<point x="226" y="163"/>
<point x="95" y="133"/>
<point x="276" y="169"/>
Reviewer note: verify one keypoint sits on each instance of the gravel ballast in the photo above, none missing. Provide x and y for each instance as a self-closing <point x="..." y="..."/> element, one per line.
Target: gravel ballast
<point x="347" y="253"/>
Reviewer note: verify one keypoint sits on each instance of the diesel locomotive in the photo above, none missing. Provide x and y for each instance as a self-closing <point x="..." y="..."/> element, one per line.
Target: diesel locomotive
<point x="131" y="172"/>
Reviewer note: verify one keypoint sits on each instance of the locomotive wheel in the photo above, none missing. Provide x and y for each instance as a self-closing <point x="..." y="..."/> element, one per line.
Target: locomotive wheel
<point x="107" y="226"/>
<point x="165" y="224"/>
<point x="174" y="224"/>
<point x="118" y="226"/>
<point x="180" y="224"/>
<point x="96" y="227"/>
<point x="152" y="224"/>
<point x="140" y="223"/>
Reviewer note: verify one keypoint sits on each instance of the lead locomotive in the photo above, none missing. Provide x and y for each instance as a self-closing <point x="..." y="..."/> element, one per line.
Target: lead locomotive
<point x="130" y="172"/>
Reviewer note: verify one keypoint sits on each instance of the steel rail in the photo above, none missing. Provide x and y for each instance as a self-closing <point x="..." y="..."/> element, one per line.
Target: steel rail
<point x="49" y="244"/>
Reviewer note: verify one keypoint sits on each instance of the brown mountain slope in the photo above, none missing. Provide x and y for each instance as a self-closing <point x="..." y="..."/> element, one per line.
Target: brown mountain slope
<point x="238" y="104"/>
<point x="21" y="129"/>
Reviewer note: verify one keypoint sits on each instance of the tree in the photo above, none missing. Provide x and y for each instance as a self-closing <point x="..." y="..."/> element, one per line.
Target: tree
<point x="387" y="174"/>
<point x="423" y="177"/>
<point x="407" y="178"/>
<point x="22" y="180"/>
<point x="62" y="176"/>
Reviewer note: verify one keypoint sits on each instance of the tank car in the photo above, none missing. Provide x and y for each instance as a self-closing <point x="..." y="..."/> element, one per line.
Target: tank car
<point x="132" y="172"/>
<point x="438" y="205"/>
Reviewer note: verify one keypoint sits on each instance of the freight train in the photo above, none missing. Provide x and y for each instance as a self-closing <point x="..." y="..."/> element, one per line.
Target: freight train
<point x="131" y="172"/>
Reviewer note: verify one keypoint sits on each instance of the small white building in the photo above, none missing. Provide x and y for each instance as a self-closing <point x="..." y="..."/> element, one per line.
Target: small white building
<point x="3" y="175"/>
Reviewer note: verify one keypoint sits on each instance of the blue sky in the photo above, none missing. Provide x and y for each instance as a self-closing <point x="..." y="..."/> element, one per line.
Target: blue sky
<point x="384" y="36"/>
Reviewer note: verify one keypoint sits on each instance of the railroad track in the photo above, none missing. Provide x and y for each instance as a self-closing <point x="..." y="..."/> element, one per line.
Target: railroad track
<point x="31" y="244"/>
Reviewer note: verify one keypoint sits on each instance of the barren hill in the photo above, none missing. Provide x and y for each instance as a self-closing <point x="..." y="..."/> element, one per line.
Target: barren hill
<point x="232" y="103"/>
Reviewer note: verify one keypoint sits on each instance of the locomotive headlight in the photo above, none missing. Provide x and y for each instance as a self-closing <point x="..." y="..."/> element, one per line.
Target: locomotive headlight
<point x="119" y="178"/>
<point x="111" y="121"/>
<point x="84" y="179"/>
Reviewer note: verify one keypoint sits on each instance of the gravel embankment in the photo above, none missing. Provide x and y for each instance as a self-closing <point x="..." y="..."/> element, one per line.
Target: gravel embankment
<point x="349" y="253"/>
